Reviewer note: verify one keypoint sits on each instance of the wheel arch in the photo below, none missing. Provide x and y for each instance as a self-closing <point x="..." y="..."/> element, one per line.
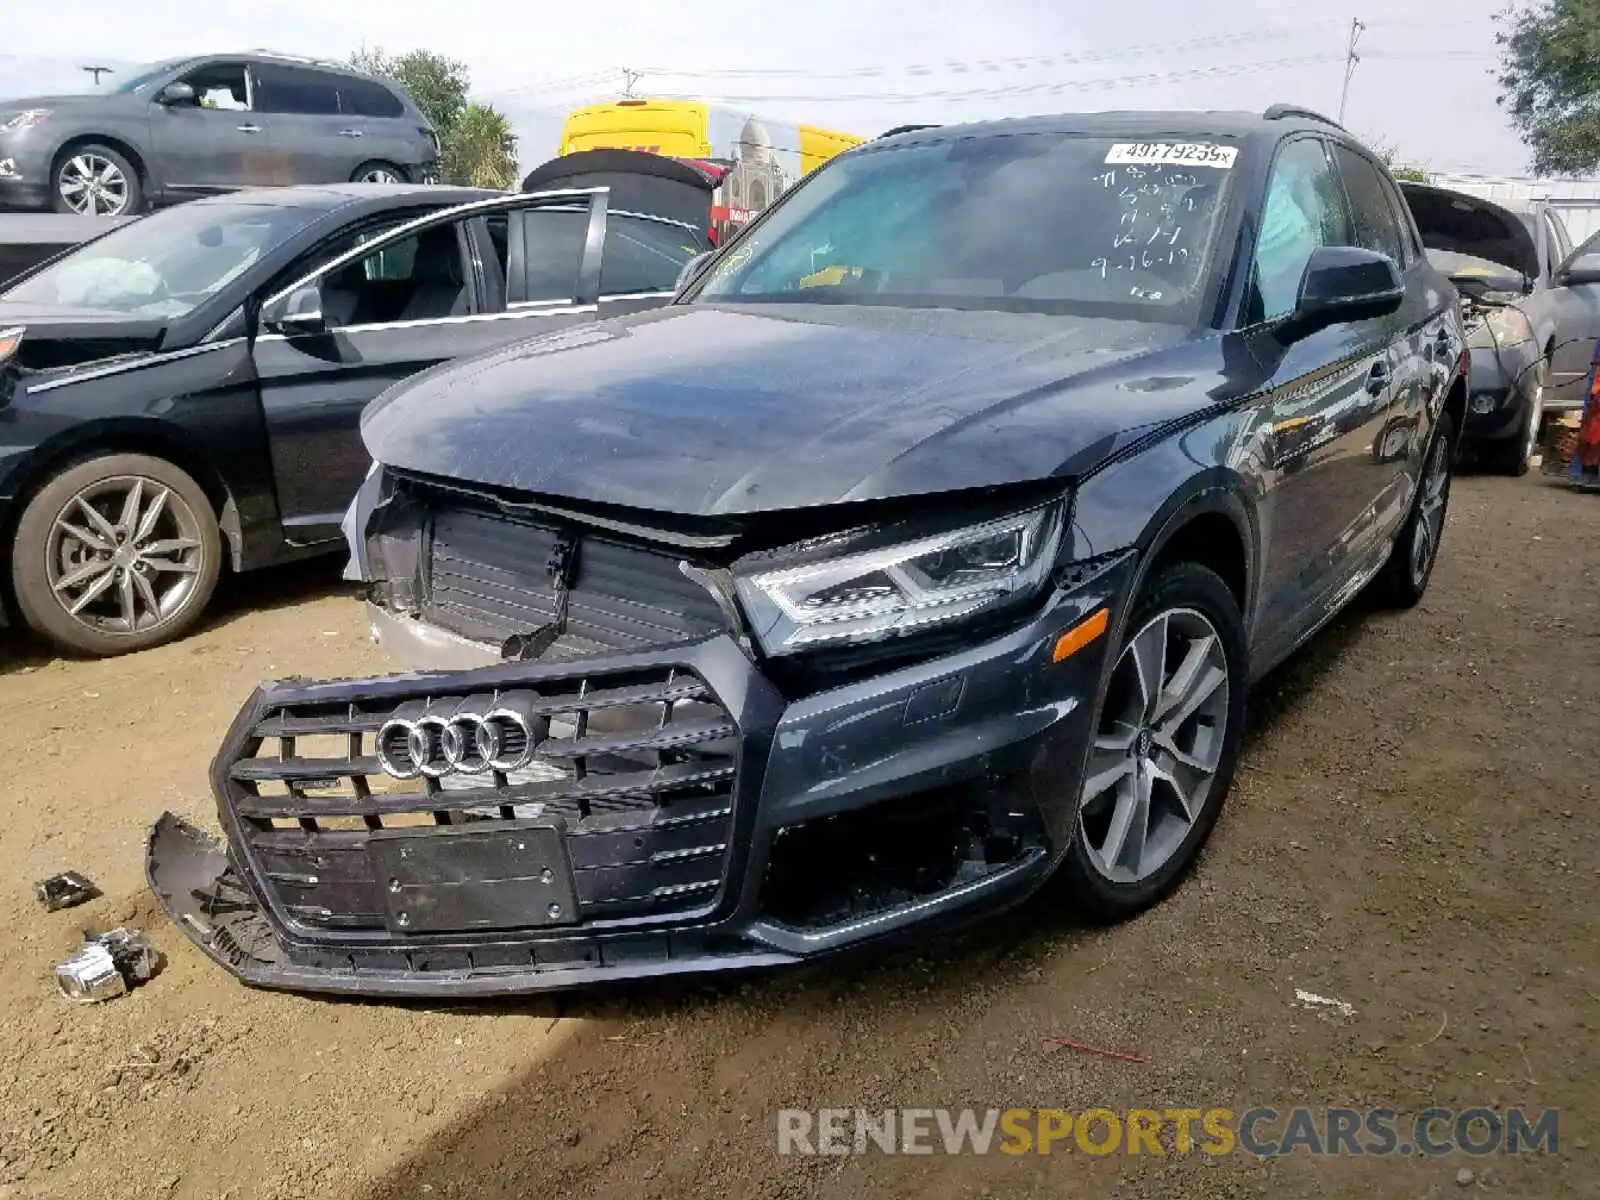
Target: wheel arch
<point x="120" y="145"/>
<point x="125" y="435"/>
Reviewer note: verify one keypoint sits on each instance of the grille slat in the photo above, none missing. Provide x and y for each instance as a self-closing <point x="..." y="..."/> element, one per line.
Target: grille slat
<point x="643" y="791"/>
<point x="487" y="581"/>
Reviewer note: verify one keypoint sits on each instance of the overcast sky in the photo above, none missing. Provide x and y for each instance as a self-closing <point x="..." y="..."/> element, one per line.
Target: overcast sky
<point x="1425" y="83"/>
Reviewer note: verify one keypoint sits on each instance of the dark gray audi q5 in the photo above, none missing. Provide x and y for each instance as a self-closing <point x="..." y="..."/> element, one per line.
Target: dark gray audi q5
<point x="924" y="548"/>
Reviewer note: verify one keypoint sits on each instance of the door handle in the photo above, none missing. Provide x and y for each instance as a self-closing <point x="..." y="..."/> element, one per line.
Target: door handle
<point x="248" y="128"/>
<point x="1377" y="378"/>
<point x="350" y="133"/>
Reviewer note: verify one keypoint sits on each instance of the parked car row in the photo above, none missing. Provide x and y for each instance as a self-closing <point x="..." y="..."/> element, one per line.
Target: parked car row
<point x="207" y="124"/>
<point x="920" y="549"/>
<point x="188" y="388"/>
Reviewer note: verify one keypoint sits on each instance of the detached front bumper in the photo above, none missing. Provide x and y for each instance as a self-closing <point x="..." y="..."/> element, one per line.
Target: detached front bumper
<point x="752" y="871"/>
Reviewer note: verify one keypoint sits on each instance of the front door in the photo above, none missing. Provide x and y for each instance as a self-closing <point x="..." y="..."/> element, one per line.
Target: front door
<point x="406" y="300"/>
<point x="219" y="141"/>
<point x="1325" y="401"/>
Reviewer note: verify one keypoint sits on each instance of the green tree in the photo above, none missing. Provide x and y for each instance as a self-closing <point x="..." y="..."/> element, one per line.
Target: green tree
<point x="482" y="150"/>
<point x="1550" y="73"/>
<point x="438" y="85"/>
<point x="1387" y="155"/>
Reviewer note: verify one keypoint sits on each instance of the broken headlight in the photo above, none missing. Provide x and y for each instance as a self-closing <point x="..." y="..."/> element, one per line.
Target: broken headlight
<point x="901" y="589"/>
<point x="1501" y="328"/>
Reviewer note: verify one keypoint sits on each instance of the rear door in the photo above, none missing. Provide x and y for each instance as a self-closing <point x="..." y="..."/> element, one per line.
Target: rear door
<point x="311" y="141"/>
<point x="643" y="256"/>
<point x="411" y="298"/>
<point x="377" y="130"/>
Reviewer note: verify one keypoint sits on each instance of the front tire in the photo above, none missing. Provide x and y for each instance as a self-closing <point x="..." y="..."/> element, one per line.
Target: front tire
<point x="1166" y="742"/>
<point x="116" y="554"/>
<point x="1405" y="576"/>
<point x="95" y="180"/>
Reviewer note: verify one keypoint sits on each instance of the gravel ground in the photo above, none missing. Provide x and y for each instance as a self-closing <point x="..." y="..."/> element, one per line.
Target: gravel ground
<point x="1412" y="831"/>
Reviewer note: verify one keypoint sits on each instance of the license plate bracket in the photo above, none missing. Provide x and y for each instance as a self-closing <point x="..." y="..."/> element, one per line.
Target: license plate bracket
<point x="459" y="879"/>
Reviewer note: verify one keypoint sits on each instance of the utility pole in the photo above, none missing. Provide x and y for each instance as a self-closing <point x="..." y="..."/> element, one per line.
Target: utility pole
<point x="629" y="78"/>
<point x="97" y="72"/>
<point x="1351" y="58"/>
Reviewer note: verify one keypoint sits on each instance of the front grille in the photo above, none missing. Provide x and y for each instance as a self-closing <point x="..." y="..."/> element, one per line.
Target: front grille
<point x="487" y="580"/>
<point x="636" y="768"/>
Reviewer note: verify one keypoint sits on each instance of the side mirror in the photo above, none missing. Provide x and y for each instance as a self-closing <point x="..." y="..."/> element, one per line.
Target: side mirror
<point x="176" y="93"/>
<point x="299" y="314"/>
<point x="690" y="267"/>
<point x="1583" y="269"/>
<point x="1345" y="283"/>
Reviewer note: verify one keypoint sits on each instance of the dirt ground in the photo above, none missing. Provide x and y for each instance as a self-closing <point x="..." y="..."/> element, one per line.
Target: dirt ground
<point x="1413" y="831"/>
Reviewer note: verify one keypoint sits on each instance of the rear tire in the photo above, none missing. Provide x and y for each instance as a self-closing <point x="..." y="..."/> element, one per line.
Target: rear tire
<point x="1405" y="576"/>
<point x="1185" y="643"/>
<point x="378" y="171"/>
<point x="116" y="535"/>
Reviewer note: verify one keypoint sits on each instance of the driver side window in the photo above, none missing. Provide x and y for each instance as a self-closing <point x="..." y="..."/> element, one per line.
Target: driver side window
<point x="418" y="278"/>
<point x="222" y="86"/>
<point x="1304" y="211"/>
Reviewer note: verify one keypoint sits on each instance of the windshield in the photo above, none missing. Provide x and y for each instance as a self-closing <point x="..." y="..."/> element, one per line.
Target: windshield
<point x="1044" y="222"/>
<point x="166" y="264"/>
<point x="142" y="76"/>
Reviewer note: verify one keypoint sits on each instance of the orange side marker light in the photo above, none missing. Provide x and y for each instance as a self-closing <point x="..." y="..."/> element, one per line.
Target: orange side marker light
<point x="1081" y="634"/>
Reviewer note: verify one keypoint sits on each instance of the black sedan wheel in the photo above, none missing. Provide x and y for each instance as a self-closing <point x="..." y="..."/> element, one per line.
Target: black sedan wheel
<point x="116" y="554"/>
<point x="1166" y="741"/>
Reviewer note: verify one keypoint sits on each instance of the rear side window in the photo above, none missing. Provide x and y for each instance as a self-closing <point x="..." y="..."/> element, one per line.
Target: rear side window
<point x="365" y="98"/>
<point x="643" y="256"/>
<point x="1371" y="212"/>
<point x="297" y="90"/>
<point x="552" y="251"/>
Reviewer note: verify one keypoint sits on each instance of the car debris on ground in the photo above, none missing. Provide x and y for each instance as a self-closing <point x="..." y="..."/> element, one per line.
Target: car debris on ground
<point x="67" y="889"/>
<point x="110" y="965"/>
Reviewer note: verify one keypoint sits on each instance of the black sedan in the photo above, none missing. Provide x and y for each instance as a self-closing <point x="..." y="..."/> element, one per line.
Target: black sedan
<point x="924" y="548"/>
<point x="186" y="390"/>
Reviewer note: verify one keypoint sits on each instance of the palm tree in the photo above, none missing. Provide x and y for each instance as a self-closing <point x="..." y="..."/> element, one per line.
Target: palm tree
<point x="481" y="150"/>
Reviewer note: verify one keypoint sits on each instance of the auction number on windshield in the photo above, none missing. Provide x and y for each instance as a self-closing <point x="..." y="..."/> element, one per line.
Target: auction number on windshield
<point x="1197" y="154"/>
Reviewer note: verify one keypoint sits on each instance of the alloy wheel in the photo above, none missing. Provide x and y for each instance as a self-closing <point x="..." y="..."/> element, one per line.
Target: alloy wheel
<point x="93" y="185"/>
<point x="124" y="555"/>
<point x="380" y="175"/>
<point x="1429" y="527"/>
<point x="1157" y="748"/>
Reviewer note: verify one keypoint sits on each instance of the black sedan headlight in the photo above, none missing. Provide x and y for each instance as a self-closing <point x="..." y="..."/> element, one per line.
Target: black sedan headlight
<point x="853" y="596"/>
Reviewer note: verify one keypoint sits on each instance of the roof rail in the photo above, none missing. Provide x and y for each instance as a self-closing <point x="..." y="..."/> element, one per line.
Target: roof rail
<point x="306" y="59"/>
<point x="1279" y="112"/>
<point x="903" y="129"/>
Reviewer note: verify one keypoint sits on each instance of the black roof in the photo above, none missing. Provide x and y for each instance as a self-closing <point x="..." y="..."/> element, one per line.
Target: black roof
<point x="1227" y="123"/>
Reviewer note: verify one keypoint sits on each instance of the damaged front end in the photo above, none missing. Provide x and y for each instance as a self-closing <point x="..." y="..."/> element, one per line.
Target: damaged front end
<point x="686" y="768"/>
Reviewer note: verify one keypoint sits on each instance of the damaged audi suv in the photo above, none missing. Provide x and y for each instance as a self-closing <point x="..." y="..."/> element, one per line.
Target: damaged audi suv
<point x="921" y="551"/>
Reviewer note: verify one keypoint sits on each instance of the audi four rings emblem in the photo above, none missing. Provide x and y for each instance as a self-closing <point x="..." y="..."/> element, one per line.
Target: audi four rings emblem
<point x="471" y="736"/>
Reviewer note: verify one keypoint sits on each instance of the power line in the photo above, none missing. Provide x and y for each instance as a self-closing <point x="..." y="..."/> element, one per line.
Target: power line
<point x="1013" y="90"/>
<point x="962" y="66"/>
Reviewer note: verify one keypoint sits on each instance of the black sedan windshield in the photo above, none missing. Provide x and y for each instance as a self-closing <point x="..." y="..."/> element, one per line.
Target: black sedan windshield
<point x="1038" y="222"/>
<point x="166" y="264"/>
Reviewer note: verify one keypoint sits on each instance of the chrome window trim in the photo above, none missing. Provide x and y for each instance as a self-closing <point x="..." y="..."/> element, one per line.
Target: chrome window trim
<point x="454" y="213"/>
<point x="430" y="322"/>
<point x="136" y="364"/>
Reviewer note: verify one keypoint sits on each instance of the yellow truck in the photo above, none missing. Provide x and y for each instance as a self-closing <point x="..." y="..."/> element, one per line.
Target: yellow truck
<point x="754" y="158"/>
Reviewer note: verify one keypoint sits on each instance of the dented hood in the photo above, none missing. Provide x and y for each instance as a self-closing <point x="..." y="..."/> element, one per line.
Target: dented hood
<point x="704" y="409"/>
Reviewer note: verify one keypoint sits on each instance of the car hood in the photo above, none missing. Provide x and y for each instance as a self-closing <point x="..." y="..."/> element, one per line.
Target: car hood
<point x="1461" y="224"/>
<point x="58" y="335"/>
<point x="706" y="410"/>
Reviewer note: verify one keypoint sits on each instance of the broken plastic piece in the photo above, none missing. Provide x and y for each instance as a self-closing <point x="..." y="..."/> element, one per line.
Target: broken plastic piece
<point x="65" y="890"/>
<point x="108" y="966"/>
